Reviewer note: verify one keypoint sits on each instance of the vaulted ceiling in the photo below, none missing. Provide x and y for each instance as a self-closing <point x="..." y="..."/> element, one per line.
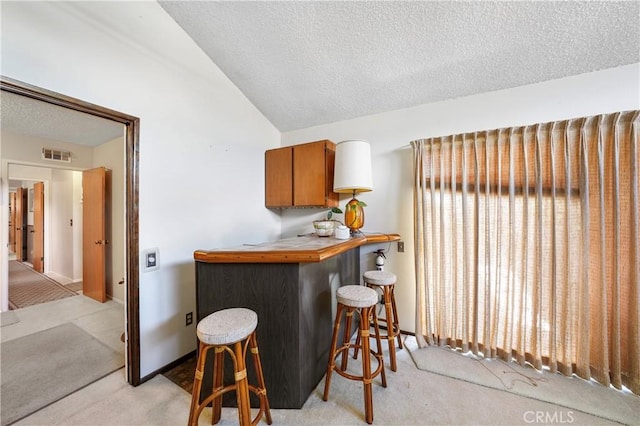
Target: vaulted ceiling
<point x="305" y="63"/>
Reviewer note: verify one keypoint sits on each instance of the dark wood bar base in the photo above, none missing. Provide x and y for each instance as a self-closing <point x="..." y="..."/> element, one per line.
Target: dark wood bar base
<point x="291" y="284"/>
<point x="295" y="303"/>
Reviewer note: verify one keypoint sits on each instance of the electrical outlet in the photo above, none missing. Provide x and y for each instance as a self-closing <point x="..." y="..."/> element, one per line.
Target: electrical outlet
<point x="189" y="319"/>
<point x="400" y="246"/>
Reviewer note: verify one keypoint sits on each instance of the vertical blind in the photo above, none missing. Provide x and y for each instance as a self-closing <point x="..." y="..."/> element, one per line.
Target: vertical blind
<point x="528" y="247"/>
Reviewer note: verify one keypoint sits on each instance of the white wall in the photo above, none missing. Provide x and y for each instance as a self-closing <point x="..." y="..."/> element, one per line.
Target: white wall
<point x="61" y="210"/>
<point x="390" y="204"/>
<point x="27" y="149"/>
<point x="202" y="142"/>
<point x="77" y="226"/>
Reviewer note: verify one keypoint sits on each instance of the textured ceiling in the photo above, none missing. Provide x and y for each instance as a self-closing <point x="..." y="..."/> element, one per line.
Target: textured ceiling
<point x="26" y="116"/>
<point x="314" y="62"/>
<point x="311" y="62"/>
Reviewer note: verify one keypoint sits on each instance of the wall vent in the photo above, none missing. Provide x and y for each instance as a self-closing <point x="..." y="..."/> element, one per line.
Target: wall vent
<point x="56" y="155"/>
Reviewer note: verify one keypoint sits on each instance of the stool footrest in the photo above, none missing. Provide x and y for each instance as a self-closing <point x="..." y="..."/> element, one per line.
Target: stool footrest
<point x="343" y="373"/>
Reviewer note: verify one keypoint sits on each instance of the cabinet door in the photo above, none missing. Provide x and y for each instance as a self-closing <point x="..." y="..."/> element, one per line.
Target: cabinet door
<point x="278" y="180"/>
<point x="330" y="160"/>
<point x="309" y="174"/>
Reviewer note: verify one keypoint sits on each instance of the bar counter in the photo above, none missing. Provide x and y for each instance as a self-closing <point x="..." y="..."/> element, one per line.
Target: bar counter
<point x="291" y="285"/>
<point x="308" y="248"/>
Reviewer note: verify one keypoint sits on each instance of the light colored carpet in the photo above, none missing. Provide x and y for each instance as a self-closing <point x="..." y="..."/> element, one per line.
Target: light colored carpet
<point x="412" y="397"/>
<point x="28" y="287"/>
<point x="49" y="365"/>
<point x="8" y="318"/>
<point x="571" y="392"/>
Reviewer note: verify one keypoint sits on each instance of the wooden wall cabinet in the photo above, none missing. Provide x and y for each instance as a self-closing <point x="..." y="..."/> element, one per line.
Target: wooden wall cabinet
<point x="300" y="175"/>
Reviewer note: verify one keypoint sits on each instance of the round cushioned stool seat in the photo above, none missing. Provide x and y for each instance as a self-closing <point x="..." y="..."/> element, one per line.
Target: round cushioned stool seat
<point x="227" y="326"/>
<point x="386" y="281"/>
<point x="357" y="296"/>
<point x="379" y="278"/>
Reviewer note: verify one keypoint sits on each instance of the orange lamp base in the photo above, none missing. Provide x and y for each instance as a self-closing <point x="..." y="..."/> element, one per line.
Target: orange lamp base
<point x="354" y="216"/>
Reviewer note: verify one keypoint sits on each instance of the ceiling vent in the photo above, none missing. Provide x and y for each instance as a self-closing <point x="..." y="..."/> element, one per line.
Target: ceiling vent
<point x="56" y="155"/>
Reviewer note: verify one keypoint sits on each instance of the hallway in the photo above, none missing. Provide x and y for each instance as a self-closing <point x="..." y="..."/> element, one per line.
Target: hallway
<point x="28" y="287"/>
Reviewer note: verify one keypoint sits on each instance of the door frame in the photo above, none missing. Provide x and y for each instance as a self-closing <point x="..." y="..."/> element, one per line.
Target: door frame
<point x="132" y="154"/>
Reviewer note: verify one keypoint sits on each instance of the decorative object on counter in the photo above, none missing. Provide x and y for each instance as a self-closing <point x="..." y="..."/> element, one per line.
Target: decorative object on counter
<point x="324" y="228"/>
<point x="355" y="214"/>
<point x="380" y="257"/>
<point x="342" y="232"/>
<point x="332" y="211"/>
<point x="353" y="175"/>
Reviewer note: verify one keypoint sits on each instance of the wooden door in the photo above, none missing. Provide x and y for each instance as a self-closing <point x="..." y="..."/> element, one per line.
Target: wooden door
<point x="21" y="224"/>
<point x="12" y="222"/>
<point x="38" y="227"/>
<point x="309" y="174"/>
<point x="278" y="177"/>
<point x="94" y="238"/>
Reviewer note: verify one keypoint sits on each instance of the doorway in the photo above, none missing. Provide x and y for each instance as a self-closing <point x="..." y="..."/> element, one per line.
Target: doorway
<point x="74" y="211"/>
<point x="131" y="125"/>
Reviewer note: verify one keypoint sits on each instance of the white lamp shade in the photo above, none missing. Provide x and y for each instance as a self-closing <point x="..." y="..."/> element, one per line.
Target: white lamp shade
<point x="352" y="167"/>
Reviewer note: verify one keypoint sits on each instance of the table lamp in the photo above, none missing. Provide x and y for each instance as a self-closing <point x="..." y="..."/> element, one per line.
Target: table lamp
<point x="352" y="174"/>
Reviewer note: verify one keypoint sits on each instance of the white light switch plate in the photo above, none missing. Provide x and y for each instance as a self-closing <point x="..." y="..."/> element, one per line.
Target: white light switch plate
<point x="150" y="259"/>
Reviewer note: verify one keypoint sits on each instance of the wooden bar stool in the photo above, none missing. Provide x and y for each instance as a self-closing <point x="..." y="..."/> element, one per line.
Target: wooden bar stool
<point x="386" y="282"/>
<point x="231" y="331"/>
<point x="356" y="298"/>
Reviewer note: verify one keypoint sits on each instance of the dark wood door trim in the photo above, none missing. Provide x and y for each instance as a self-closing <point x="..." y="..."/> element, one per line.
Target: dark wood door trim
<point x="132" y="135"/>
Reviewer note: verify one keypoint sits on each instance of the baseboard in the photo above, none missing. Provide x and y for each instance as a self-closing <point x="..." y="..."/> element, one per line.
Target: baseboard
<point x="168" y="367"/>
<point x="59" y="278"/>
<point x="115" y="299"/>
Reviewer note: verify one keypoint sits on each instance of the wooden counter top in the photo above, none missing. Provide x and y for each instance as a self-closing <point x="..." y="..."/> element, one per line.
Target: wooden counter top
<point x="309" y="248"/>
